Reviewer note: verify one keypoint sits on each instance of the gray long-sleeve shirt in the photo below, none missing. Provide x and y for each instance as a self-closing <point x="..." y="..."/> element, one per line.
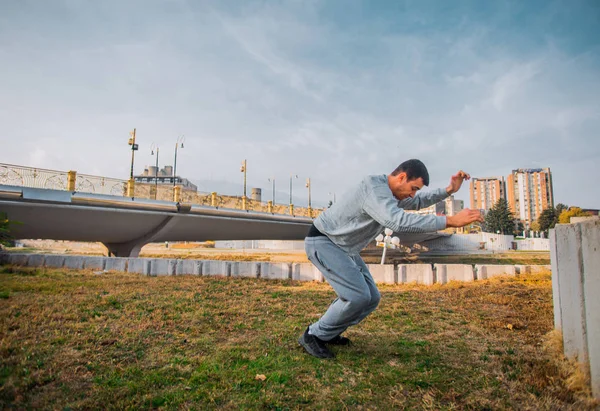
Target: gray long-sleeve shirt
<point x="363" y="213"/>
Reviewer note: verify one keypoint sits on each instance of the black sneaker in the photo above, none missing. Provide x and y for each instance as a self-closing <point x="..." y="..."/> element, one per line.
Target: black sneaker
<point x="338" y="340"/>
<point x="314" y="346"/>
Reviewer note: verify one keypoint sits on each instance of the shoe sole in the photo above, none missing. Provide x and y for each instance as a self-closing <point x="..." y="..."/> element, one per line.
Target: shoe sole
<point x="311" y="352"/>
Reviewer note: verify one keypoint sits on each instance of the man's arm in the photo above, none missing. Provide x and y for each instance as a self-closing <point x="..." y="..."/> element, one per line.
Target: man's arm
<point x="463" y="218"/>
<point x="423" y="199"/>
<point x="426" y="199"/>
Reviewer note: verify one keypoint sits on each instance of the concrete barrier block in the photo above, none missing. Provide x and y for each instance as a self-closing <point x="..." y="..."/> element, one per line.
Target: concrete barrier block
<point x="590" y="253"/>
<point x="74" y="262"/>
<point x="570" y="286"/>
<point x="419" y="273"/>
<point x="488" y="271"/>
<point x="36" y="260"/>
<point x="18" y="259"/>
<point x="162" y="266"/>
<point x="115" y="264"/>
<point x="244" y="269"/>
<point x="383" y="274"/>
<point x="521" y="269"/>
<point x="276" y="271"/>
<point x="453" y="272"/>
<point x="216" y="268"/>
<point x="306" y="272"/>
<point x="54" y="261"/>
<point x="138" y="266"/>
<point x="532" y="269"/>
<point x="555" y="287"/>
<point x="94" y="263"/>
<point x="189" y="267"/>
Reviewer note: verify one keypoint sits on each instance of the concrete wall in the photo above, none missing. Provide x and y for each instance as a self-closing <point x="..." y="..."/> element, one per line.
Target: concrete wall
<point x="575" y="256"/>
<point x="261" y="244"/>
<point x="534" y="244"/>
<point x="383" y="274"/>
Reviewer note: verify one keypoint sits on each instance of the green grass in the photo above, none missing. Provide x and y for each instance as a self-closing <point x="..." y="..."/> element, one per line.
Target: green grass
<point x="78" y="340"/>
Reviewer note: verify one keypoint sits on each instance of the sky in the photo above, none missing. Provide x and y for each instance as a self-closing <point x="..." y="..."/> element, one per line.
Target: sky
<point x="331" y="90"/>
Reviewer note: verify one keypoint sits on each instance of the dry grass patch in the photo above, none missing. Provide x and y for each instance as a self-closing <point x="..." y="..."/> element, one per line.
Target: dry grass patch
<point x="80" y="340"/>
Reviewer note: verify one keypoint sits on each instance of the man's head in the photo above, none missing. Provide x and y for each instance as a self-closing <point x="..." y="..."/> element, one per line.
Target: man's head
<point x="408" y="178"/>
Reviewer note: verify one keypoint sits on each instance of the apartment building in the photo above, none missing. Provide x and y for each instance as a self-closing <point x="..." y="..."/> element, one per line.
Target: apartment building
<point x="453" y="206"/>
<point x="485" y="192"/>
<point x="529" y="192"/>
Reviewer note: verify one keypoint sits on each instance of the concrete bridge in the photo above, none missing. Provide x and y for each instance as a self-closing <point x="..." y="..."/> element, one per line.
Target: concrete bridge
<point x="124" y="225"/>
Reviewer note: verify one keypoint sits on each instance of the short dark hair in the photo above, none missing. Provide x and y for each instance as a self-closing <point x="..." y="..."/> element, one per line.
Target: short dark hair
<point x="414" y="169"/>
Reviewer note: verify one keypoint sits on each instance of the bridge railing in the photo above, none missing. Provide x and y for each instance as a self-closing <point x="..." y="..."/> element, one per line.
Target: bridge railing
<point x="100" y="185"/>
<point x="58" y="180"/>
<point x="32" y="177"/>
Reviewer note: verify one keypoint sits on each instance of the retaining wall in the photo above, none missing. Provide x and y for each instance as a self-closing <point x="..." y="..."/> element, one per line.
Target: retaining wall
<point x="575" y="256"/>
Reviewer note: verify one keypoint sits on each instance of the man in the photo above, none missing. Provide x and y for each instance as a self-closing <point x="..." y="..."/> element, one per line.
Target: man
<point x="339" y="234"/>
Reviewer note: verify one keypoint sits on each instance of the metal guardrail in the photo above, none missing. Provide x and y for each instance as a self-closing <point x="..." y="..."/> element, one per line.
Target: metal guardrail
<point x="57" y="180"/>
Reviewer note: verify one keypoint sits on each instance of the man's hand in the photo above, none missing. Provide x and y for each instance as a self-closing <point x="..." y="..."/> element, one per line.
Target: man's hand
<point x="456" y="181"/>
<point x="465" y="217"/>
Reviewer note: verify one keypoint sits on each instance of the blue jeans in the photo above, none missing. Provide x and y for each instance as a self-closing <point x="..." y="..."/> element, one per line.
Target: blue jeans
<point x="351" y="280"/>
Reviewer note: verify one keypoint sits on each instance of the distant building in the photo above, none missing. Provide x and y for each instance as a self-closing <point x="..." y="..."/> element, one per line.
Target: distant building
<point x="453" y="206"/>
<point x="485" y="192"/>
<point x="152" y="175"/>
<point x="436" y="209"/>
<point x="529" y="192"/>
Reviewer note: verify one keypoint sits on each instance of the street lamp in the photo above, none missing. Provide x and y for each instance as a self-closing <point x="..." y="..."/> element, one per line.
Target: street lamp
<point x="308" y="186"/>
<point x="292" y="176"/>
<point x="179" y="142"/>
<point x="244" y="170"/>
<point x="152" y="149"/>
<point x="134" y="147"/>
<point x="272" y="180"/>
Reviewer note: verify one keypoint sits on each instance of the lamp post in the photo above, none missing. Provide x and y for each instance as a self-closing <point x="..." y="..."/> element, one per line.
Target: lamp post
<point x="134" y="147"/>
<point x="309" y="202"/>
<point x="179" y="142"/>
<point x="292" y="176"/>
<point x="152" y="149"/>
<point x="272" y="180"/>
<point x="244" y="170"/>
<point x="176" y="190"/>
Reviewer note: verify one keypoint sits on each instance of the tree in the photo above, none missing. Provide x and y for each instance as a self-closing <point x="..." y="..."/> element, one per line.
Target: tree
<point x="565" y="216"/>
<point x="499" y="219"/>
<point x="560" y="207"/>
<point x="5" y="237"/>
<point x="535" y="226"/>
<point x="547" y="219"/>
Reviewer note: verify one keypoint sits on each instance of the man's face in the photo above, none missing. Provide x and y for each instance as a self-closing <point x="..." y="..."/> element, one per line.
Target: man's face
<point x="402" y="188"/>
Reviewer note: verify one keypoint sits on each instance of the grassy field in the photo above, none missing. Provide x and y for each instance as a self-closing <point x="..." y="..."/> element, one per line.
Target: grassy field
<point x="73" y="340"/>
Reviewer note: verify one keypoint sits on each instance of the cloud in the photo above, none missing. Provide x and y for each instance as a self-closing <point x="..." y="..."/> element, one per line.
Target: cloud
<point x="330" y="90"/>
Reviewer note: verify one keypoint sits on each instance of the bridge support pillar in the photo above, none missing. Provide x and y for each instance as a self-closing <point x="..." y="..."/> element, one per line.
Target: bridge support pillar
<point x="123" y="249"/>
